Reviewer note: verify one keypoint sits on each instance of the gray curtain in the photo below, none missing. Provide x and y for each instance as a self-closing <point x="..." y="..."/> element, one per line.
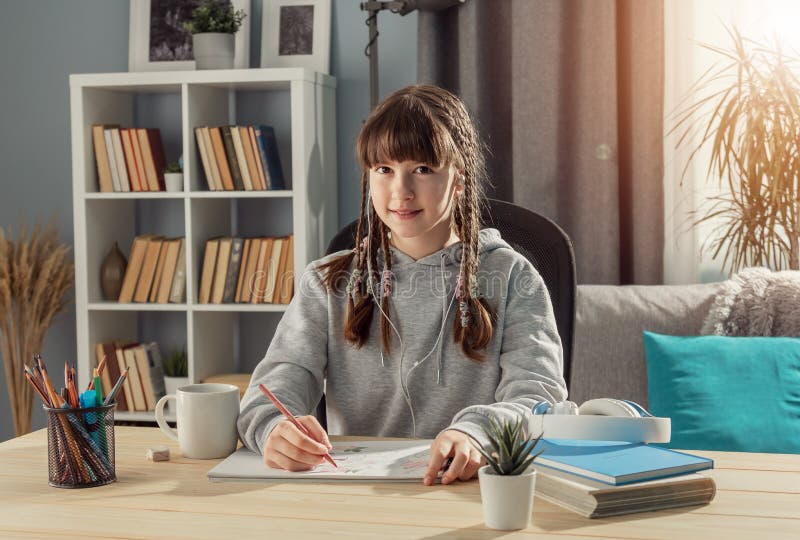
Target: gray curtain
<point x="568" y="94"/>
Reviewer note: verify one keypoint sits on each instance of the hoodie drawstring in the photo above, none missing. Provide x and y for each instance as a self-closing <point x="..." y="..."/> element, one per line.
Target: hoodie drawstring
<point x="444" y="314"/>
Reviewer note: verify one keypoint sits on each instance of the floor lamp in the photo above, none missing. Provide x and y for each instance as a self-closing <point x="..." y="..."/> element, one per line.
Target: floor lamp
<point x="403" y="7"/>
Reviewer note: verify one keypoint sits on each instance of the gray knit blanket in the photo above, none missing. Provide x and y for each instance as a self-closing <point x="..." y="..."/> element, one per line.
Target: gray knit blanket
<point x="756" y="302"/>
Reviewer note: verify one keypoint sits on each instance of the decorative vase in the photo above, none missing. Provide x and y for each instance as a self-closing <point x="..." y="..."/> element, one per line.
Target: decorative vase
<point x="213" y="50"/>
<point x="173" y="181"/>
<point x="507" y="499"/>
<point x="111" y="273"/>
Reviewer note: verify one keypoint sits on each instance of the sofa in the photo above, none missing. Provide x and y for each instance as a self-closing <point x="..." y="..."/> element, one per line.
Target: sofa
<point x="608" y="358"/>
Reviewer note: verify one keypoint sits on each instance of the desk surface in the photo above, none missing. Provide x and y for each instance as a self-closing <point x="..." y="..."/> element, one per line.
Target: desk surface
<point x="758" y="495"/>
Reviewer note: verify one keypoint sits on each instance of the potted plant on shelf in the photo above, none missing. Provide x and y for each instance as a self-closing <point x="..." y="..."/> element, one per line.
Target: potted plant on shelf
<point x="173" y="177"/>
<point x="508" y="481"/>
<point x="748" y="113"/>
<point x="213" y="25"/>
<point x="176" y="371"/>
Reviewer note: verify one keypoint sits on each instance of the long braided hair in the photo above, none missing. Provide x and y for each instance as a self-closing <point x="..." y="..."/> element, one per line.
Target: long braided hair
<point x="430" y="125"/>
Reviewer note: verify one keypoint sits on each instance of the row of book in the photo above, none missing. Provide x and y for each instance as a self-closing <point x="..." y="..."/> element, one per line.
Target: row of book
<point x="144" y="385"/>
<point x="128" y="159"/>
<point x="248" y="270"/>
<point x="609" y="478"/>
<point x="156" y="271"/>
<point x="243" y="158"/>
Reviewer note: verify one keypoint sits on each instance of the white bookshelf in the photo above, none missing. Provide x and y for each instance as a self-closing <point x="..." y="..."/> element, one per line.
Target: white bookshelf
<point x="298" y="103"/>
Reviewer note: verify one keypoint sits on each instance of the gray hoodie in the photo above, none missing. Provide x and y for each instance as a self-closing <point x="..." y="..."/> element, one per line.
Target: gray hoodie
<point x="433" y="386"/>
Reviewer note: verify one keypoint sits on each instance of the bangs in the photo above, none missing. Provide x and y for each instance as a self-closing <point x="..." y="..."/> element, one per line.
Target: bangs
<point x="404" y="131"/>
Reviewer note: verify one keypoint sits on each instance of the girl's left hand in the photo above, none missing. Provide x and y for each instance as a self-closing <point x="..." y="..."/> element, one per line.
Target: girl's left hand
<point x="466" y="459"/>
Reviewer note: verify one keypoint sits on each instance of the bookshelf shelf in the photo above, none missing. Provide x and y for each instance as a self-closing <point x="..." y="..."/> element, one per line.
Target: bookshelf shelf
<point x="218" y="338"/>
<point x="244" y="308"/>
<point x="133" y="196"/>
<point x="116" y="306"/>
<point x="277" y="194"/>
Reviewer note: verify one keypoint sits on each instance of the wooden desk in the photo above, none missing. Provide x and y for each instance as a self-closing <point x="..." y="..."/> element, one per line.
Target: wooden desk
<point x="758" y="497"/>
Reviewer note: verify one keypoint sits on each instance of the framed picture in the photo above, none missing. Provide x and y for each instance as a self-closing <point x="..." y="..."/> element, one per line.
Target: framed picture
<point x="296" y="33"/>
<point x="158" y="42"/>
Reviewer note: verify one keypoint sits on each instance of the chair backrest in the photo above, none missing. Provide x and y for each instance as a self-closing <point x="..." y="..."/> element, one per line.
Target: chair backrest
<point x="540" y="241"/>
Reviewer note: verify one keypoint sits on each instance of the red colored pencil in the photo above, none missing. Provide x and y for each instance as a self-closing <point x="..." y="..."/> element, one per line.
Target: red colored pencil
<point x="274" y="399"/>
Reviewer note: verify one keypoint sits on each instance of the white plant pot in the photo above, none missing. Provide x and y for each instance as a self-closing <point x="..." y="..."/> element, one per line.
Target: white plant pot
<point x="171" y="384"/>
<point x="173" y="181"/>
<point x="507" y="500"/>
<point x="213" y="50"/>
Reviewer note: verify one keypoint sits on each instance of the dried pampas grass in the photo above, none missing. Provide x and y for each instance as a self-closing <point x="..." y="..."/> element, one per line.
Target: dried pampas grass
<point x="35" y="275"/>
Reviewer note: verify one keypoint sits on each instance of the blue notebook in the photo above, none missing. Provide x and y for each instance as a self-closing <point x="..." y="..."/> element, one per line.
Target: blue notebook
<point x="616" y="463"/>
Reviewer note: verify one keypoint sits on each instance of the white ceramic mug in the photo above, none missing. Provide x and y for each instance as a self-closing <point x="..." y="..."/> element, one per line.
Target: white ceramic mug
<point x="206" y="415"/>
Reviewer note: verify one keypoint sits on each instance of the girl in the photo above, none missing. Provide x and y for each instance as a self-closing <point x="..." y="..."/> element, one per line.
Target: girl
<point x="497" y="353"/>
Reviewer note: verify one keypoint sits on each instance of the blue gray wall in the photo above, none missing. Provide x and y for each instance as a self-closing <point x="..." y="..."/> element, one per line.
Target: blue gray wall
<point x="46" y="40"/>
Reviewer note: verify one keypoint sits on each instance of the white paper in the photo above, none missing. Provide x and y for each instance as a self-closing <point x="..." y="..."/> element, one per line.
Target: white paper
<point x="402" y="461"/>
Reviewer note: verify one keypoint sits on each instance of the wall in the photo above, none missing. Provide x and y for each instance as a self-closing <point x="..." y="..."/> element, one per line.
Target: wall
<point x="51" y="39"/>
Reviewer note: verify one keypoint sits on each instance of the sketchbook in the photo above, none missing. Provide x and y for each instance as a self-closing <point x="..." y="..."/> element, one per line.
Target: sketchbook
<point x="393" y="461"/>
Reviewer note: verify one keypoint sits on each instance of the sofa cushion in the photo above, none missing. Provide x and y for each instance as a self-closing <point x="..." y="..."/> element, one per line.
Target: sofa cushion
<point x="608" y="353"/>
<point x="737" y="394"/>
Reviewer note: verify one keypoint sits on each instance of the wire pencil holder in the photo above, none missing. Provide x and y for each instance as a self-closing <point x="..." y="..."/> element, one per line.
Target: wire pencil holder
<point x="80" y="446"/>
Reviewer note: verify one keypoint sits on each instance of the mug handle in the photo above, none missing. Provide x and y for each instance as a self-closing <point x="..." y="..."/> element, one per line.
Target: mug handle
<point x="162" y="422"/>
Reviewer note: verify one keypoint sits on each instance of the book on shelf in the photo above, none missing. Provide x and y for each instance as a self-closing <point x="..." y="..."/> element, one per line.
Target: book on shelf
<point x="221" y="270"/>
<point x="145" y="281"/>
<point x="241" y="160"/>
<point x="119" y="160"/>
<point x="242" y="269"/>
<point x="139" y="161"/>
<point x="105" y="378"/>
<point x="250" y="270"/>
<point x="617" y="462"/>
<point x="287" y="290"/>
<point x="271" y="159"/>
<point x="232" y="274"/>
<point x="101" y="155"/>
<point x="201" y="148"/>
<point x="594" y="499"/>
<point x="155" y="162"/>
<point x="221" y="159"/>
<point x="119" y="351"/>
<point x="112" y="161"/>
<point x="135" y="262"/>
<point x="207" y="276"/>
<point x="177" y="292"/>
<point x="212" y="159"/>
<point x="233" y="161"/>
<point x="159" y="274"/>
<point x="257" y="284"/>
<point x="272" y="270"/>
<point x="139" y="403"/>
<point x="168" y="274"/>
<point x="249" y="155"/>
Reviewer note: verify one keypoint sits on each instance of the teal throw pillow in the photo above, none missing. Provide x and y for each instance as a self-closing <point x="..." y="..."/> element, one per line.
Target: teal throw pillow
<point x="739" y="394"/>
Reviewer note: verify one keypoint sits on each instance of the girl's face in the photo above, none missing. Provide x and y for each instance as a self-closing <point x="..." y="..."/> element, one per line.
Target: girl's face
<point x="415" y="201"/>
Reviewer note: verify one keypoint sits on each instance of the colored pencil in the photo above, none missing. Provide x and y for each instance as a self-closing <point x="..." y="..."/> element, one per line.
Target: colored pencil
<point x="274" y="399"/>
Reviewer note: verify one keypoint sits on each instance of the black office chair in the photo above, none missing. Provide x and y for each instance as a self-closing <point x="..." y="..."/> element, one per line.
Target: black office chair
<point x="537" y="238"/>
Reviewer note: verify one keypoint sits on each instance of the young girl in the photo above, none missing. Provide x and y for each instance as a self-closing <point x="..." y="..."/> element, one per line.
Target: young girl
<point x="476" y="335"/>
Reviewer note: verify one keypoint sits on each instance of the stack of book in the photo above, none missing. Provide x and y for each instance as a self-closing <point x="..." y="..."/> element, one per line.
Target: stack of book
<point x="243" y="158"/>
<point x="248" y="270"/>
<point x="144" y="385"/>
<point x="128" y="159"/>
<point x="156" y="271"/>
<point x="609" y="478"/>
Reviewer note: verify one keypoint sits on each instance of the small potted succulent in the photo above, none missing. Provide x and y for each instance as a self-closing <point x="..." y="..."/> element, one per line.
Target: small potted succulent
<point x="176" y="371"/>
<point x="508" y="481"/>
<point x="173" y="177"/>
<point x="213" y="25"/>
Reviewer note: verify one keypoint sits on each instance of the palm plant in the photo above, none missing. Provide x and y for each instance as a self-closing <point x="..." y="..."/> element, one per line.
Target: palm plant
<point x="748" y="112"/>
<point x="511" y="447"/>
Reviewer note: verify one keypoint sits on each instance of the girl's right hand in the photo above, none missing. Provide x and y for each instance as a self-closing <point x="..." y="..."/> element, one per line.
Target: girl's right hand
<point x="289" y="448"/>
